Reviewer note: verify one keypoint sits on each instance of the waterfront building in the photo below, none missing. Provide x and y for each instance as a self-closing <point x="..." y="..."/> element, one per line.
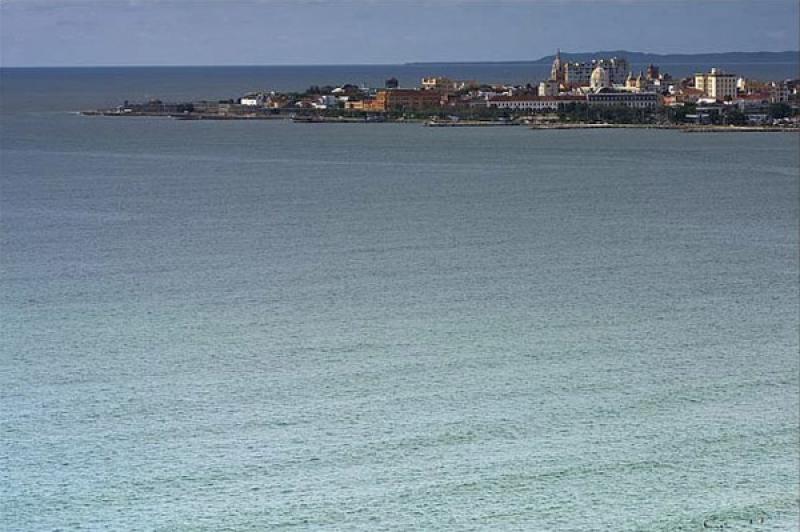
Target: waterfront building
<point x="753" y="102"/>
<point x="325" y="101"/>
<point x="407" y="99"/>
<point x="532" y="103"/>
<point x="367" y="105"/>
<point x="636" y="100"/>
<point x="252" y="100"/>
<point x="716" y="84"/>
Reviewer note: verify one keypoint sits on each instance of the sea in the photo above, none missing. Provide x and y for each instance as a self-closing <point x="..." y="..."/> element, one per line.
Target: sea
<point x="229" y="325"/>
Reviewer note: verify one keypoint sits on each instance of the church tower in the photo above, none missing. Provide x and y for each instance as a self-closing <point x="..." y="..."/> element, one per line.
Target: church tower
<point x="557" y="70"/>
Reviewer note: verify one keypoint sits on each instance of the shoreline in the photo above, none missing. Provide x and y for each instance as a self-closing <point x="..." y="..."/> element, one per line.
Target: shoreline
<point x="685" y="128"/>
<point x="678" y="127"/>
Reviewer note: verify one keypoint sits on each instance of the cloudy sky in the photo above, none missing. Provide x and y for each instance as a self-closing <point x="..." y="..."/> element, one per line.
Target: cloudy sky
<point x="244" y="32"/>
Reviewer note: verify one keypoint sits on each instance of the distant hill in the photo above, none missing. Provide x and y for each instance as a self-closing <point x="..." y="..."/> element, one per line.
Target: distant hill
<point x="728" y="58"/>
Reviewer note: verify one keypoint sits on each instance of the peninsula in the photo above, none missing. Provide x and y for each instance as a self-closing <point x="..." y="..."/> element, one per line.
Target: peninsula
<point x="592" y="92"/>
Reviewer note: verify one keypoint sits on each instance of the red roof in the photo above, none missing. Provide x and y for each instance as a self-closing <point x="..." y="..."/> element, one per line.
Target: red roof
<point x="757" y="96"/>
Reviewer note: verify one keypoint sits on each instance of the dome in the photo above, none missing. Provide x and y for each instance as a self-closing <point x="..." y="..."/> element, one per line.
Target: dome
<point x="599" y="78"/>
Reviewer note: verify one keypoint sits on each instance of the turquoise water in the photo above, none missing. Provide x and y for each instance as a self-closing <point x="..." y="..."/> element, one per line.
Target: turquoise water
<point x="250" y="326"/>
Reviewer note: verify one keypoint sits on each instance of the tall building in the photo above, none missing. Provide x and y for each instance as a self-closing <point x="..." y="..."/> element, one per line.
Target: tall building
<point x="716" y="84"/>
<point x="557" y="70"/>
<point x="580" y="73"/>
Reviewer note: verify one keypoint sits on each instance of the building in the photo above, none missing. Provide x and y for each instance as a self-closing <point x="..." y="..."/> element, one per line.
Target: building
<point x="253" y="100"/>
<point x="446" y="84"/>
<point x="599" y="79"/>
<point x="778" y="92"/>
<point x="325" y="101"/>
<point x="391" y="83"/>
<point x="367" y="105"/>
<point x="549" y="88"/>
<point x="407" y="99"/>
<point x="557" y="70"/>
<point x="688" y="95"/>
<point x="754" y="101"/>
<point x="525" y="102"/>
<point x="635" y="100"/>
<point x="437" y="82"/>
<point x="579" y="74"/>
<point x="716" y="84"/>
<point x="662" y="85"/>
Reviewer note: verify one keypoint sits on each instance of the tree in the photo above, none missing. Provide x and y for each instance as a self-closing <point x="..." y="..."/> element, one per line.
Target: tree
<point x="735" y="117"/>
<point x="779" y="110"/>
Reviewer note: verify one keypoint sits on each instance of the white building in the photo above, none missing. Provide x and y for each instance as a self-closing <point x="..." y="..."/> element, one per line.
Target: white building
<point x="716" y="84"/>
<point x="325" y="101"/>
<point x="532" y="103"/>
<point x="447" y="84"/>
<point x="253" y="100"/>
<point x="549" y="88"/>
<point x="635" y="100"/>
<point x="599" y="79"/>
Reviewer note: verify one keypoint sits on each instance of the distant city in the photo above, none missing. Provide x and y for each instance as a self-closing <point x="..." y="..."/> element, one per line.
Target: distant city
<point x="602" y="90"/>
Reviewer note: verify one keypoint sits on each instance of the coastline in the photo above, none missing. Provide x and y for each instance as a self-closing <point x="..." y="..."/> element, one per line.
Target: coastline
<point x="441" y="123"/>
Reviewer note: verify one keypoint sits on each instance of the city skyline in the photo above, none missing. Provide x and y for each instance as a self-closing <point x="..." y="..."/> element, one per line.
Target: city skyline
<point x="175" y="32"/>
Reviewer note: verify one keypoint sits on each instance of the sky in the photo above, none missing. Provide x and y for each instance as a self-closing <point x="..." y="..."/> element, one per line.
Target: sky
<point x="317" y="32"/>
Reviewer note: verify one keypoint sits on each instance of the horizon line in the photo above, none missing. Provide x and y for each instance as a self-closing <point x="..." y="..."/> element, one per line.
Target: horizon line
<point x="407" y="63"/>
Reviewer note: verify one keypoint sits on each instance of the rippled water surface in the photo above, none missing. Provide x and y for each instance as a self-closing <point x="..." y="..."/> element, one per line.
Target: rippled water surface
<point x="269" y="325"/>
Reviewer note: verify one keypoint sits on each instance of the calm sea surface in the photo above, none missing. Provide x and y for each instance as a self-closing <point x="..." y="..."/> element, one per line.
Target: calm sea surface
<point x="268" y="325"/>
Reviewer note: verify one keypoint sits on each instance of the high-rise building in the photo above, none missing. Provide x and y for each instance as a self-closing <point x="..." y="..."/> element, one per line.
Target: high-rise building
<point x="578" y="73"/>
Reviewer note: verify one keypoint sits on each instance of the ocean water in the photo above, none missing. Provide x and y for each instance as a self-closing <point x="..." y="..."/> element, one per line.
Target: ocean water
<point x="273" y="326"/>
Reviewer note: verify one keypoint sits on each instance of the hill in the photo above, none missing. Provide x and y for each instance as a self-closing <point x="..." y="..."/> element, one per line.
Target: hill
<point x="728" y="58"/>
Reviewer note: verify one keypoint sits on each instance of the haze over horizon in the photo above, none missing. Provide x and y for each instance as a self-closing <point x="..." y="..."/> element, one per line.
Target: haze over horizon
<point x="327" y="32"/>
